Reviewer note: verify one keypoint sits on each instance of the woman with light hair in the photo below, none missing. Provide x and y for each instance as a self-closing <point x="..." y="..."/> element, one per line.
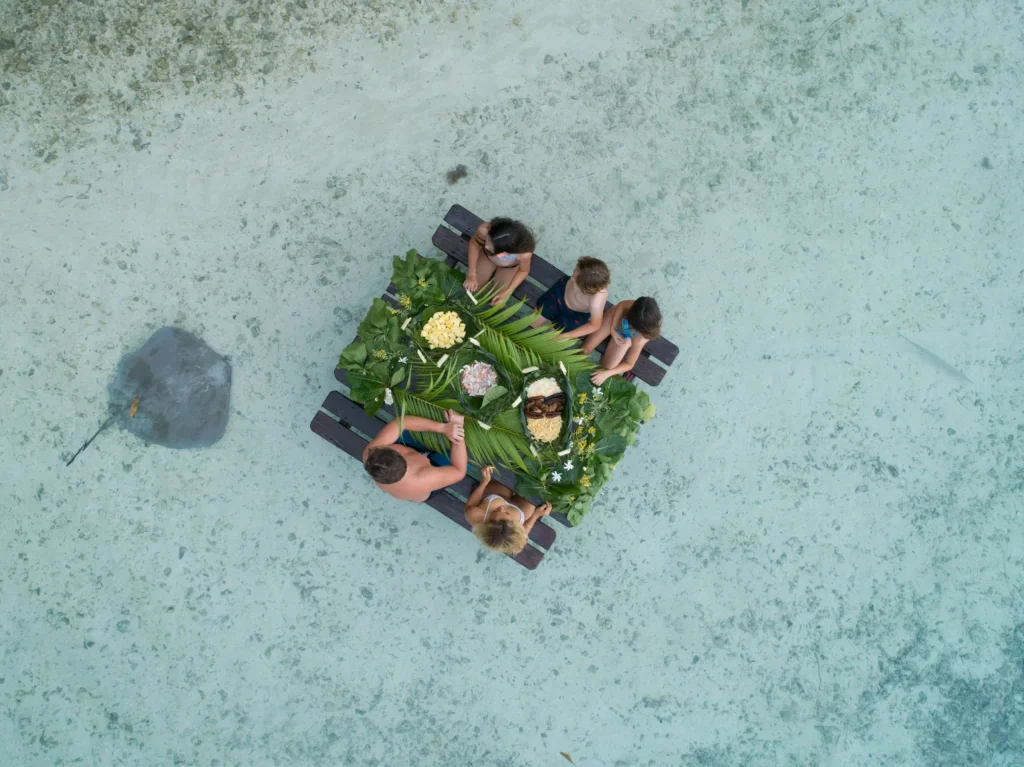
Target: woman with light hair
<point x="501" y="520"/>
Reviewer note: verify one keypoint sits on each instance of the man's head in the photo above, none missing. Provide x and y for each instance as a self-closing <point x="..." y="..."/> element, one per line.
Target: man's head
<point x="508" y="236"/>
<point x="645" y="317"/>
<point x="592" y="275"/>
<point x="386" y="465"/>
<point x="501" y="535"/>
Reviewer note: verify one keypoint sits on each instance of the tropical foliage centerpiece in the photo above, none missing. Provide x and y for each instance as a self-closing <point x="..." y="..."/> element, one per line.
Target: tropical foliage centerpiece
<point x="438" y="347"/>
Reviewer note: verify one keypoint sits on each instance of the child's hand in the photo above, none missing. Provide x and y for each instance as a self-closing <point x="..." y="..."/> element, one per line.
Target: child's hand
<point x="598" y="377"/>
<point x="470" y="283"/>
<point x="620" y="340"/>
<point x="485" y="474"/>
<point x="499" y="299"/>
<point x="544" y="510"/>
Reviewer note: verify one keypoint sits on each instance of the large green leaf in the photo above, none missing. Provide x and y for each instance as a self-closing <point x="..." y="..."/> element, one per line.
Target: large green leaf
<point x="610" y="448"/>
<point x="353" y="355"/>
<point x="528" y="487"/>
<point x="492" y="394"/>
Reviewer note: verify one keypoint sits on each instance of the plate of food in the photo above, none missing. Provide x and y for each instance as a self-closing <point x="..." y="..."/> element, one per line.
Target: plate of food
<point x="480" y="382"/>
<point x="440" y="331"/>
<point x="546" y="408"/>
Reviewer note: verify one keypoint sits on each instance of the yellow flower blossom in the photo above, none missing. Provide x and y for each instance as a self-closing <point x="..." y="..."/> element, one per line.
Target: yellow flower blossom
<point x="392" y="310"/>
<point x="582" y="398"/>
<point x="422" y="282"/>
<point x="591" y="430"/>
<point x="404" y="300"/>
<point x="581" y="446"/>
<point x="584" y="481"/>
<point x="380" y="354"/>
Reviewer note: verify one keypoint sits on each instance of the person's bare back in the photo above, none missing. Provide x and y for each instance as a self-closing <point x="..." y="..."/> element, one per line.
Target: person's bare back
<point x="404" y="472"/>
<point x="579" y="301"/>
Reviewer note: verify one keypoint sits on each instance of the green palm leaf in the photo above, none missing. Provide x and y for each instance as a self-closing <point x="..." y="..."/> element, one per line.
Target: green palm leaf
<point x="504" y="444"/>
<point x="516" y="345"/>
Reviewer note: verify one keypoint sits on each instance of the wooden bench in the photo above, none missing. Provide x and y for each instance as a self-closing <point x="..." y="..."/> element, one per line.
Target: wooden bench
<point x="346" y="425"/>
<point x="452" y="238"/>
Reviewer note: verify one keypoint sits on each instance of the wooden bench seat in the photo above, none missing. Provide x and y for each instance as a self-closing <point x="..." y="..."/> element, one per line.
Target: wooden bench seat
<point x="346" y="425"/>
<point x="452" y="238"/>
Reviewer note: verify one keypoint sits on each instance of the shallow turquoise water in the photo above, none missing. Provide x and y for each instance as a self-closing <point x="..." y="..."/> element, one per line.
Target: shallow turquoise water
<point x="812" y="557"/>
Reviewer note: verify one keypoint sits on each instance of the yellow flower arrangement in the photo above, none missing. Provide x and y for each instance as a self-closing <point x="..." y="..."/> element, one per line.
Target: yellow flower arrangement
<point x="444" y="330"/>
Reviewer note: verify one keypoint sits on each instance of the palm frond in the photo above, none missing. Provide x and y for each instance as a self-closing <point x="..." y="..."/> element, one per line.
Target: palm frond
<point x="516" y="345"/>
<point x="504" y="444"/>
<point x="500" y="445"/>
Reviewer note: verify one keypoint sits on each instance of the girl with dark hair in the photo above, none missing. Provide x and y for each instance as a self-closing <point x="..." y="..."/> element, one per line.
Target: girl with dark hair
<point x="628" y="328"/>
<point x="500" y="250"/>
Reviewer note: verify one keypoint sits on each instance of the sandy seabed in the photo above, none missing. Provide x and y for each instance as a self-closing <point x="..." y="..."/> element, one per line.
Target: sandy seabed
<point x="813" y="556"/>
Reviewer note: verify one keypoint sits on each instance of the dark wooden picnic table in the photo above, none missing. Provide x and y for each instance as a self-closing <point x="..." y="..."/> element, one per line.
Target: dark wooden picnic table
<point x="346" y="425"/>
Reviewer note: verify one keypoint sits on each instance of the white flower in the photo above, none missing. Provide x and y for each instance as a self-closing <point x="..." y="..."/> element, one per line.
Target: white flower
<point x="569" y="445"/>
<point x="568" y="465"/>
<point x="403" y="360"/>
<point x="557" y="477"/>
<point x="388" y="398"/>
<point x="598" y="393"/>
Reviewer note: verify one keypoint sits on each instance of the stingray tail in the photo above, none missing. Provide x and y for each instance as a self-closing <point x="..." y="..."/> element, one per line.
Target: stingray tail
<point x="94" y="436"/>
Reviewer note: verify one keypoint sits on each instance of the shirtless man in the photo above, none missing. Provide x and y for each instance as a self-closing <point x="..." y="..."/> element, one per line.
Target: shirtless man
<point x="576" y="304"/>
<point x="405" y="472"/>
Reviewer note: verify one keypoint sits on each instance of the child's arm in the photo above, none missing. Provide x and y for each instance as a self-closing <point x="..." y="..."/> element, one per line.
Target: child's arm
<point x="596" y="316"/>
<point x="474" y="512"/>
<point x="476" y="251"/>
<point x="539" y="511"/>
<point x="636" y="344"/>
<point x="608" y="325"/>
<point x="520" y="277"/>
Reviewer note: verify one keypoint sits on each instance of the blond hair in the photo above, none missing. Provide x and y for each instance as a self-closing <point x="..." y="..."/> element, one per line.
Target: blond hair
<point x="502" y="536"/>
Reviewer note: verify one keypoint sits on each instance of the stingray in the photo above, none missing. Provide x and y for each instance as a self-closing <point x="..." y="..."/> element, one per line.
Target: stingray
<point x="174" y="391"/>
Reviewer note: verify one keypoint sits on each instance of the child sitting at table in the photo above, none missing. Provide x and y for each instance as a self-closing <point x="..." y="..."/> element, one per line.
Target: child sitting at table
<point x="628" y="327"/>
<point x="501" y="248"/>
<point x="576" y="304"/>
<point x="501" y="521"/>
